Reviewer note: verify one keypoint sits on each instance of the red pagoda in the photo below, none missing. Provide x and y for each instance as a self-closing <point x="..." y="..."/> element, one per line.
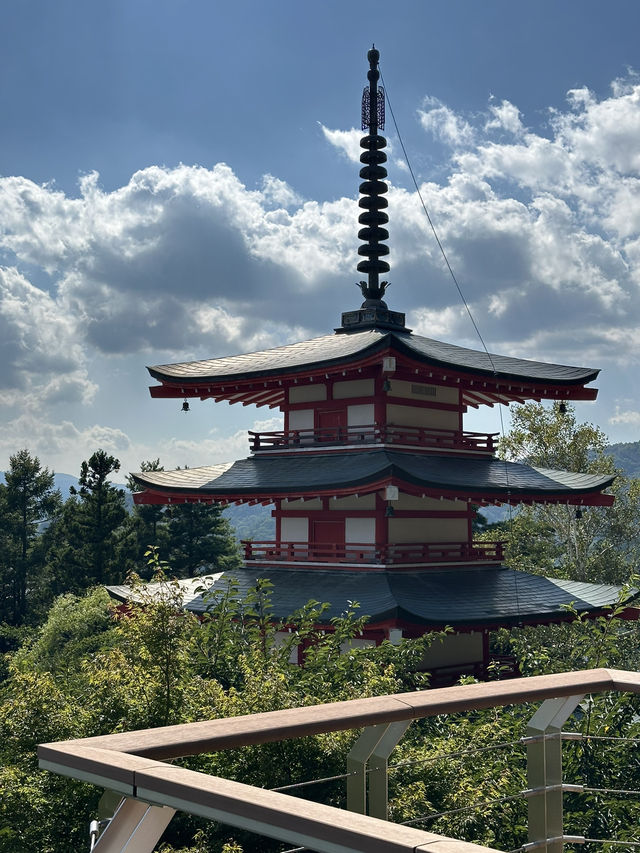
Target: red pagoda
<point x="374" y="480"/>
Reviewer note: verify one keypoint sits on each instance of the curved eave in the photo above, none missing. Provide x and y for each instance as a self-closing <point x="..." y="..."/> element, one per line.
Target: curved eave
<point x="261" y="378"/>
<point x="260" y="479"/>
<point x="466" y="597"/>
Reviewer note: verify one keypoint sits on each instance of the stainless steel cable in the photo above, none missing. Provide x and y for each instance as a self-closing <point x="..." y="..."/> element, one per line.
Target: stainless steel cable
<point x="459" y="754"/>
<point x="313" y="782"/>
<point x="610" y="791"/>
<point x="579" y="736"/>
<point x="479" y="804"/>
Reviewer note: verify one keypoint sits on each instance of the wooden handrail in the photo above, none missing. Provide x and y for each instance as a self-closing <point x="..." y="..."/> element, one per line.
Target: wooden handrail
<point x="131" y="763"/>
<point x="368" y="552"/>
<point x="168" y="742"/>
<point x="374" y="433"/>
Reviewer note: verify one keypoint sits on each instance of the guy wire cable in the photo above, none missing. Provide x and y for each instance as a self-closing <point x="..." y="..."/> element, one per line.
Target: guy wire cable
<point x="463" y="300"/>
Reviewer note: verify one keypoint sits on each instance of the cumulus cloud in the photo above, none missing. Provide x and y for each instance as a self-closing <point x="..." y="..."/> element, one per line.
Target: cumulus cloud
<point x="345" y="141"/>
<point x="504" y="116"/>
<point x="61" y="445"/>
<point x="629" y="416"/>
<point x="138" y="263"/>
<point x="541" y="227"/>
<point x="215" y="447"/>
<point x="41" y="355"/>
<point x="440" y="120"/>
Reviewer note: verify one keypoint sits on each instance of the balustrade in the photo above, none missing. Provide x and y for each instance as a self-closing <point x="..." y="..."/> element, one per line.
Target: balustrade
<point x="362" y="552"/>
<point x="444" y="439"/>
<point x="133" y="764"/>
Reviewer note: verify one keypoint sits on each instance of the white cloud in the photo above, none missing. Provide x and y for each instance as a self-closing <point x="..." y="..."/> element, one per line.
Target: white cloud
<point x="629" y="417"/>
<point x="543" y="232"/>
<point x="216" y="447"/>
<point x="41" y="353"/>
<point x="603" y="133"/>
<point x="505" y="116"/>
<point x="444" y="124"/>
<point x="346" y="141"/>
<point x="61" y="446"/>
<point x="279" y="192"/>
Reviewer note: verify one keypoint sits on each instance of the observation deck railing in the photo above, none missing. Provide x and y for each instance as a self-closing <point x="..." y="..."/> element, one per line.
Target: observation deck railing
<point x="133" y="765"/>
<point x="360" y="552"/>
<point x="442" y="439"/>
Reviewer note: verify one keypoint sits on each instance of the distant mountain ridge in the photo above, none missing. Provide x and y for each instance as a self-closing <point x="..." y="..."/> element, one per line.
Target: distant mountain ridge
<point x="626" y="455"/>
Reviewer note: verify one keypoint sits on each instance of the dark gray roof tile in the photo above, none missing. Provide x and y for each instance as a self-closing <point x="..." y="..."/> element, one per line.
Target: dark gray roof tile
<point x="266" y="475"/>
<point x="464" y="596"/>
<point x="338" y="348"/>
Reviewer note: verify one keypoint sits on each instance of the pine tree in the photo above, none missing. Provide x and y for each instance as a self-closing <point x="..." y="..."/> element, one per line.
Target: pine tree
<point x="200" y="540"/>
<point x="29" y="500"/>
<point x="84" y="549"/>
<point x="145" y="527"/>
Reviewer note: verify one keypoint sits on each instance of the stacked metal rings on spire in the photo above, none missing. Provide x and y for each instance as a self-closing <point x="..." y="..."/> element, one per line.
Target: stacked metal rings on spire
<point x="373" y="187"/>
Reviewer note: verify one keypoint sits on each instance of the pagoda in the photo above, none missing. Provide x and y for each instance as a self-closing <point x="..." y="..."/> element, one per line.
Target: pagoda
<point x="374" y="481"/>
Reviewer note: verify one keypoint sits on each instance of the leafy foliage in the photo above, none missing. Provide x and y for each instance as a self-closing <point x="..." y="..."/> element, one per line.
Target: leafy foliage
<point x="600" y="544"/>
<point x="92" y="669"/>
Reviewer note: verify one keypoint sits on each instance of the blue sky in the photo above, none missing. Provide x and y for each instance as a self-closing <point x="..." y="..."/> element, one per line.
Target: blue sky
<point x="177" y="180"/>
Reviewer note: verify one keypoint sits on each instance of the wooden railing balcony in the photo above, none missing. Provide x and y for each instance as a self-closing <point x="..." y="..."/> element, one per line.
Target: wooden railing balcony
<point x="359" y="552"/>
<point x="443" y="439"/>
<point x="135" y="765"/>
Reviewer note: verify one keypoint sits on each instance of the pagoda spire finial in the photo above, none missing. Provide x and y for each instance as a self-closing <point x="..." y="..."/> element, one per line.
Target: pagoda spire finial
<point x="373" y="187"/>
<point x="373" y="313"/>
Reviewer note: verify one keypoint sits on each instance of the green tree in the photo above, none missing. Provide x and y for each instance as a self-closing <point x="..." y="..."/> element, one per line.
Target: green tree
<point x="600" y="544"/>
<point x="84" y="544"/>
<point x="200" y="540"/>
<point x="101" y="512"/>
<point x="158" y="664"/>
<point x="145" y="527"/>
<point x="28" y="500"/>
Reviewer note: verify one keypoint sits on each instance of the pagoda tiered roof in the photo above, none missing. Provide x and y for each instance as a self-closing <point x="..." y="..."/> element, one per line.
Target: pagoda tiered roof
<point x="474" y="479"/>
<point x="460" y="597"/>
<point x="261" y="378"/>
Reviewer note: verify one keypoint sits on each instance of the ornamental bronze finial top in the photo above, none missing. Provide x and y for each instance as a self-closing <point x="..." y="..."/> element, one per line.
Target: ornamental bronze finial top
<point x="373" y="187"/>
<point x="373" y="313"/>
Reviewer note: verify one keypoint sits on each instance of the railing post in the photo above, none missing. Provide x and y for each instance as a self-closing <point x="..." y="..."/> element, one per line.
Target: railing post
<point x="378" y="764"/>
<point x="357" y="767"/>
<point x="544" y="772"/>
<point x="376" y="744"/>
<point x="135" y="826"/>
